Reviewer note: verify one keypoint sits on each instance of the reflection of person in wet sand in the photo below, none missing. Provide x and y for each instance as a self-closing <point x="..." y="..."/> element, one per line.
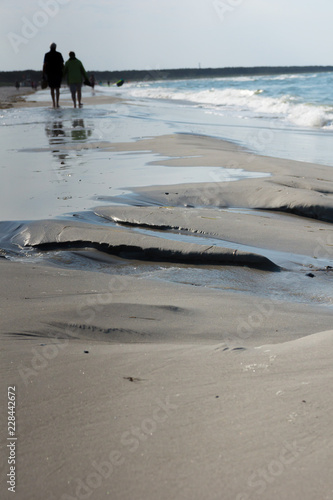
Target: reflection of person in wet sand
<point x="76" y="74"/>
<point x="79" y="130"/>
<point x="52" y="69"/>
<point x="56" y="133"/>
<point x="65" y="132"/>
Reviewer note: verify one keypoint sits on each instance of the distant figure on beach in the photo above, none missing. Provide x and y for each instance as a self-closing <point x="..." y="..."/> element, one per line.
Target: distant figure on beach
<point x="92" y="81"/>
<point x="17" y="85"/>
<point x="76" y="74"/>
<point x="52" y="72"/>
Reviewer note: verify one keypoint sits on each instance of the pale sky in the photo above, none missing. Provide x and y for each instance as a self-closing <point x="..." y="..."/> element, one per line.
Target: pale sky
<point x="161" y="34"/>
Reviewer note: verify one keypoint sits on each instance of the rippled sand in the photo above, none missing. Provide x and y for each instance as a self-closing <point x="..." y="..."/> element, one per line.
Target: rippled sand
<point x="171" y="341"/>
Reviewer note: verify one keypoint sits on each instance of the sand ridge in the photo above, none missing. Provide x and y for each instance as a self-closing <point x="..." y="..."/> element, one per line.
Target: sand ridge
<point x="53" y="234"/>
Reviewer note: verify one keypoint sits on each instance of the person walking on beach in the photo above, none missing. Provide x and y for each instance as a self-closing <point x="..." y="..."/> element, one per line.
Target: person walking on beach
<point x="92" y="82"/>
<point x="52" y="72"/>
<point x="76" y="74"/>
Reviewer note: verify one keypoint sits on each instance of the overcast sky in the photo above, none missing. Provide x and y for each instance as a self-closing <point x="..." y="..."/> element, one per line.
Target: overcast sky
<point x="158" y="34"/>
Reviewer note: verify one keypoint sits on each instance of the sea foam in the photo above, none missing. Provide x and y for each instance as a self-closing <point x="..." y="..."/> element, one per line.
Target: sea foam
<point x="253" y="103"/>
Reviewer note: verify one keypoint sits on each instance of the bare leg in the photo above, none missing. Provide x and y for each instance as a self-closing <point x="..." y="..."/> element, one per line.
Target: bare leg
<point x="79" y="96"/>
<point x="74" y="97"/>
<point x="72" y="89"/>
<point x="73" y="93"/>
<point x="57" y="96"/>
<point x="53" y="97"/>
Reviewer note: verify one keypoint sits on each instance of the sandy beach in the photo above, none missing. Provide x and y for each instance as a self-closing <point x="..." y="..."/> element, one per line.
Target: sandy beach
<point x="10" y="96"/>
<point x="172" y="342"/>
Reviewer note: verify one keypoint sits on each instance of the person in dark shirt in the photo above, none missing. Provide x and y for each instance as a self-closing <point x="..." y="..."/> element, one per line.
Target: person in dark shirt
<point x="52" y="70"/>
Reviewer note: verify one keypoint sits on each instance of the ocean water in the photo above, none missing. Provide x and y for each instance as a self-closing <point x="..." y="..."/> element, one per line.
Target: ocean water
<point x="289" y="116"/>
<point x="302" y="99"/>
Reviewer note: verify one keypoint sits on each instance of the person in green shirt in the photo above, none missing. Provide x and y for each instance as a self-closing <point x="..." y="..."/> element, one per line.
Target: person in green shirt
<point x="75" y="74"/>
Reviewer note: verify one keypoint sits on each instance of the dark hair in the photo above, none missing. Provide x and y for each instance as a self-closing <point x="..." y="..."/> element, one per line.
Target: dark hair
<point x="72" y="55"/>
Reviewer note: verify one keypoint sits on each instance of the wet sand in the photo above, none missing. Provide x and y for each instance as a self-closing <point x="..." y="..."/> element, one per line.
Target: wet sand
<point x="10" y="97"/>
<point x="133" y="388"/>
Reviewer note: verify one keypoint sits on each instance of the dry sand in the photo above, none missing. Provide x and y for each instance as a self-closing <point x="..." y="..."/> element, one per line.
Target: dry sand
<point x="133" y="389"/>
<point x="12" y="97"/>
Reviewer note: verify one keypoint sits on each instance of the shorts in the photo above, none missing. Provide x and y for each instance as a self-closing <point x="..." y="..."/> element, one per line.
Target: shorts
<point x="54" y="82"/>
<point x="74" y="87"/>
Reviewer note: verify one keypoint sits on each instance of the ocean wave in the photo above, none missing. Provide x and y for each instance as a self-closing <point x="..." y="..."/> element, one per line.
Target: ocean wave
<point x="254" y="103"/>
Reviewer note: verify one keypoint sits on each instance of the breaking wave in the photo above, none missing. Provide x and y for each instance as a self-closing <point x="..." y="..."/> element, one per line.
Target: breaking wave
<point x="251" y="103"/>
